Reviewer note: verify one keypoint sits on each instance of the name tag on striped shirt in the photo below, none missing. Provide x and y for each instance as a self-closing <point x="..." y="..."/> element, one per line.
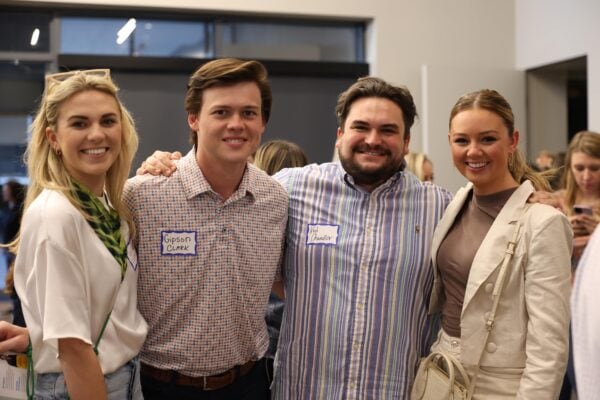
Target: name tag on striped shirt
<point x="322" y="234"/>
<point x="178" y="243"/>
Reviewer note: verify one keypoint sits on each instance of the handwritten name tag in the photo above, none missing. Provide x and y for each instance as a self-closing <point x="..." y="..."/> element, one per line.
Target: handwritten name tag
<point x="178" y="243"/>
<point x="322" y="234"/>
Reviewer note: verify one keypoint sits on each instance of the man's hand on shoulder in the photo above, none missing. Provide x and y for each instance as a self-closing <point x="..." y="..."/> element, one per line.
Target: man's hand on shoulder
<point x="159" y="163"/>
<point x="548" y="198"/>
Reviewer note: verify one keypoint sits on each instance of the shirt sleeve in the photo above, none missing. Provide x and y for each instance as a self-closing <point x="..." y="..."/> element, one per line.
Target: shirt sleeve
<point x="63" y="289"/>
<point x="547" y="291"/>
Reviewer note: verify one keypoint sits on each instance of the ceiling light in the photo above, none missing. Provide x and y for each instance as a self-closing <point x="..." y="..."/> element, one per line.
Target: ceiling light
<point x="35" y="37"/>
<point x="125" y="31"/>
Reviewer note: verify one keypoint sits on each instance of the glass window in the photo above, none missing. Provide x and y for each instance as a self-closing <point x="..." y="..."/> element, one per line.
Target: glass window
<point x="292" y="41"/>
<point x="135" y="37"/>
<point x="24" y="32"/>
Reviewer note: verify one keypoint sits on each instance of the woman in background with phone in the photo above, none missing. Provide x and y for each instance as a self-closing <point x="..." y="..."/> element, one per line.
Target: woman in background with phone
<point x="581" y="193"/>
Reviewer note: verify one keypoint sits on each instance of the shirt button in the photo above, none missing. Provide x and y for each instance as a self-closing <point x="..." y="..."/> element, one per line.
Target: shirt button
<point x="224" y="230"/>
<point x="491" y="347"/>
<point x="489" y="287"/>
<point x="360" y="306"/>
<point x="363" y="267"/>
<point x="356" y="346"/>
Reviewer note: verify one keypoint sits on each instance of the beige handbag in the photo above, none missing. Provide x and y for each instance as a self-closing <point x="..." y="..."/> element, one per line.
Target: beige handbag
<point x="436" y="378"/>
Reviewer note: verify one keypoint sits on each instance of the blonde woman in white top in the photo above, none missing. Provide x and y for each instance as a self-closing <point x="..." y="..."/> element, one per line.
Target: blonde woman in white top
<point x="76" y="270"/>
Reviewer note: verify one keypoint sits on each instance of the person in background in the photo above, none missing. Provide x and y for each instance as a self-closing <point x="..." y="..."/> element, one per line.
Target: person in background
<point x="420" y="165"/>
<point x="275" y="155"/>
<point x="581" y="193"/>
<point x="272" y="157"/>
<point x="586" y="321"/>
<point x="526" y="353"/>
<point x="580" y="201"/>
<point x="75" y="268"/>
<point x="13" y="194"/>
<point x="544" y="161"/>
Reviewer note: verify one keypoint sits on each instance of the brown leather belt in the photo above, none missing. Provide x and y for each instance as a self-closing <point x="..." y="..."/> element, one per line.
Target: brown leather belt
<point x="212" y="382"/>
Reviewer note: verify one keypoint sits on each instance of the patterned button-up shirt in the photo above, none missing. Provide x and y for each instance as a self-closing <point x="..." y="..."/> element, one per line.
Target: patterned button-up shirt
<point x="357" y="277"/>
<point x="206" y="267"/>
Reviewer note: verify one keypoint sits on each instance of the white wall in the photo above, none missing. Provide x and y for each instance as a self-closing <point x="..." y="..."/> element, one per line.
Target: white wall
<point x="456" y="35"/>
<point x="550" y="31"/>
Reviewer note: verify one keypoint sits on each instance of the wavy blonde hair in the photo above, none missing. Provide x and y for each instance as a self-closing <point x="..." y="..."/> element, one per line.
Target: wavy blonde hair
<point x="46" y="169"/>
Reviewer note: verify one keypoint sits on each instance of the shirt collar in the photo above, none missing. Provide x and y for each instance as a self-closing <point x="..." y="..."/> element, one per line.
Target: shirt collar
<point x="349" y="180"/>
<point x="194" y="183"/>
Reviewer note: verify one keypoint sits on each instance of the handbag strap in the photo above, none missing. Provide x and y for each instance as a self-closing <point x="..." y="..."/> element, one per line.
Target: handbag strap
<point x="498" y="287"/>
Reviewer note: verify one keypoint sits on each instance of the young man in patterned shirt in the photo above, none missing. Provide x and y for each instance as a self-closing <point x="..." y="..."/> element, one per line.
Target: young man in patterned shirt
<point x="210" y="240"/>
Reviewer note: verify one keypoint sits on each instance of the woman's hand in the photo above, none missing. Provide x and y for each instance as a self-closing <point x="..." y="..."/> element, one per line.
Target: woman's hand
<point x="579" y="243"/>
<point x="583" y="225"/>
<point x="13" y="338"/>
<point x="159" y="163"/>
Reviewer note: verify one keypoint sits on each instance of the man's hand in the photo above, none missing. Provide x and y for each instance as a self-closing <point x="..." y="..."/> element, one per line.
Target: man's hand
<point x="159" y="163"/>
<point x="547" y="198"/>
<point x="13" y="338"/>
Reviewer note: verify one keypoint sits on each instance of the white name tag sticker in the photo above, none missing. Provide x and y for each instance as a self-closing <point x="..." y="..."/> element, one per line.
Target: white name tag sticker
<point x="322" y="234"/>
<point x="178" y="243"/>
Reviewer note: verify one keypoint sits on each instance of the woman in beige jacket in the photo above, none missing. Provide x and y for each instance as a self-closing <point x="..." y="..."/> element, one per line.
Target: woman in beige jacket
<point x="526" y="352"/>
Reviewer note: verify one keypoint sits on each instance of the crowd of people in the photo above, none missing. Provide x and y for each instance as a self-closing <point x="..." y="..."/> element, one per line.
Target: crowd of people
<point x="240" y="271"/>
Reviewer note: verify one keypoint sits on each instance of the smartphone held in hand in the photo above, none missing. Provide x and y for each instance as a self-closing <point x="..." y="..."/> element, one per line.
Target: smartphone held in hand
<point x="583" y="209"/>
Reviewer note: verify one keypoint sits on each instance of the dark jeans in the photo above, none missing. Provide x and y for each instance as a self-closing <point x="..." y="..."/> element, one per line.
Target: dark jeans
<point x="252" y="386"/>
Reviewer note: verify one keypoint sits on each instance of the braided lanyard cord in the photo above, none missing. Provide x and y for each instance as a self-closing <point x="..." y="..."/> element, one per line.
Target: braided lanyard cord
<point x="30" y="385"/>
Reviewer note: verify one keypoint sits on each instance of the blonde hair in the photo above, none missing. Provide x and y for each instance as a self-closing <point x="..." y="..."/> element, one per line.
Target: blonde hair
<point x="586" y="142"/>
<point x="46" y="169"/>
<point x="415" y="163"/>
<point x="492" y="101"/>
<point x="276" y="155"/>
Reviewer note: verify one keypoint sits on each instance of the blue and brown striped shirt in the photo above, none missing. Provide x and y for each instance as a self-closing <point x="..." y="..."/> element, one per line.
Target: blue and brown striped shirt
<point x="357" y="276"/>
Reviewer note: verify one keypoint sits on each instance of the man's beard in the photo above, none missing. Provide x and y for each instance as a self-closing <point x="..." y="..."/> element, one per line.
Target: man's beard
<point x="369" y="177"/>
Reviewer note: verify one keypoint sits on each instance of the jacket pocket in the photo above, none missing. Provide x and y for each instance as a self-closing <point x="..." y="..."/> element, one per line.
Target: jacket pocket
<point x="502" y="372"/>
